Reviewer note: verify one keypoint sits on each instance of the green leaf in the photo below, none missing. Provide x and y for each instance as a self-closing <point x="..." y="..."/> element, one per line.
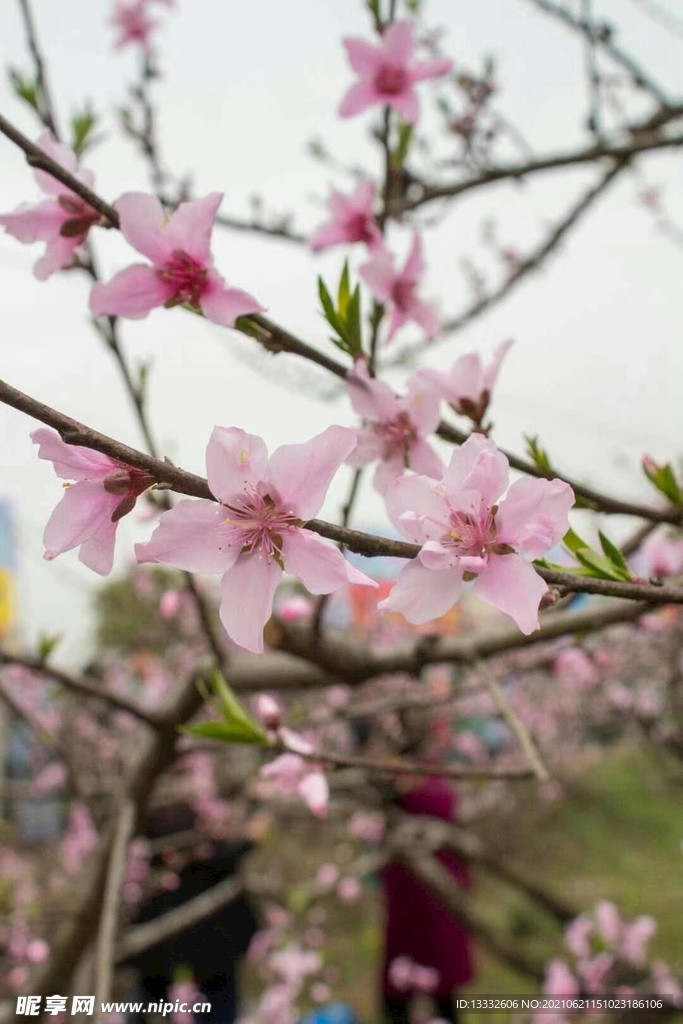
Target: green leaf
<point x="537" y="454"/>
<point x="573" y="542"/>
<point x="344" y="293"/>
<point x="664" y="479"/>
<point x="330" y="312"/>
<point x="601" y="567"/>
<point x="237" y="726"/>
<point x="614" y="554"/>
<point x="25" y="88"/>
<point x="354" y="321"/>
<point x="82" y="127"/>
<point x="47" y="643"/>
<point x="405" y="137"/>
<point x="226" y="732"/>
<point x="571" y="570"/>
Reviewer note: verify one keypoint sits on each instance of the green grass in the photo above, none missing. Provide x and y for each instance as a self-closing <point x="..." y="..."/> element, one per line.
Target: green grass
<point x="616" y="835"/>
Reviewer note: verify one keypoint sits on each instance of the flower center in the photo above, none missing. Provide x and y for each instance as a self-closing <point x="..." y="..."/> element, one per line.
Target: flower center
<point x="391" y="80"/>
<point x="398" y="436"/>
<point x="472" y="535"/>
<point x="402" y="294"/>
<point x="261" y="521"/>
<point x="358" y="228"/>
<point x="186" y="277"/>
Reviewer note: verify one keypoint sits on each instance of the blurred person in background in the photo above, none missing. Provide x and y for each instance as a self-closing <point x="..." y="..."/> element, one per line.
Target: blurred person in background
<point x="209" y="951"/>
<point x="426" y="949"/>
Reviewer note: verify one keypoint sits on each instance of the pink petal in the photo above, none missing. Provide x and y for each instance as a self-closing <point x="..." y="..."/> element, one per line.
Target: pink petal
<point x="396" y="322"/>
<point x="224" y="305"/>
<point x="328" y="235"/>
<point x="387" y="473"/>
<point x="423" y="400"/>
<point x="235" y="460"/>
<point x="488" y="479"/>
<point x="423" y="314"/>
<point x="37" y="223"/>
<point x="369" y="447"/>
<point x="193" y="536"/>
<point x="319" y="565"/>
<point x="431" y="69"/>
<point x="406" y="105"/>
<point x="97" y="552"/>
<point x="421" y="594"/>
<point x="492" y="370"/>
<point x="424" y="460"/>
<point x="247" y="593"/>
<point x="133" y="293"/>
<point x="144" y="224"/>
<point x="315" y="792"/>
<point x="535" y="515"/>
<point x="511" y="584"/>
<point x="359" y="97"/>
<point x="301" y="473"/>
<point x="83" y="510"/>
<point x="414" y="268"/>
<point x="363" y="199"/>
<point x="70" y="461"/>
<point x="380" y="275"/>
<point x="370" y="397"/>
<point x="424" y="501"/>
<point x="190" y="227"/>
<point x="363" y="56"/>
<point x="62" y="155"/>
<point x="463" y="461"/>
<point x="58" y="254"/>
<point x="465" y="379"/>
<point x="398" y="42"/>
<point x="437" y="557"/>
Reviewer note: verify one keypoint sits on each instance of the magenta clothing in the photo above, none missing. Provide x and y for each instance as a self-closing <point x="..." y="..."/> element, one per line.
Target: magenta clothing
<point x="417" y="924"/>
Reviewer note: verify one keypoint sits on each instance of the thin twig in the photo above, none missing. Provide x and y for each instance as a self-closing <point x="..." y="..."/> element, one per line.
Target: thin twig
<point x="110" y="907"/>
<point x="514" y="721"/>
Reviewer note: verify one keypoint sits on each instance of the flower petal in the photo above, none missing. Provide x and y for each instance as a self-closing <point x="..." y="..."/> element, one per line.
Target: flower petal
<point x="421" y="594"/>
<point x="379" y="274"/>
<point x="398" y="42"/>
<point x="144" y="224"/>
<point x="370" y="397"/>
<point x="85" y="507"/>
<point x="247" y="593"/>
<point x="191" y="225"/>
<point x="223" y="305"/>
<point x="359" y="97"/>
<point x="512" y="585"/>
<point x="97" y="552"/>
<point x="71" y="461"/>
<point x="302" y="473"/>
<point x="534" y="516"/>
<point x="463" y="461"/>
<point x="319" y="565"/>
<point x="431" y="69"/>
<point x="63" y="156"/>
<point x="424" y="460"/>
<point x="315" y="792"/>
<point x="414" y="268"/>
<point x="492" y="370"/>
<point x="193" y="536"/>
<point x="363" y="56"/>
<point x="406" y="105"/>
<point x="37" y="223"/>
<point x="235" y="460"/>
<point x="133" y="293"/>
<point x="424" y="500"/>
<point x="58" y="254"/>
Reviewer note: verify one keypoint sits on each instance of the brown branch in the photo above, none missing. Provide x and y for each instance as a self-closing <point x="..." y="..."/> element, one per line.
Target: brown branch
<point x="46" y="110"/>
<point x="257" y="228"/>
<point x="78" y="685"/>
<point x="597" y="500"/>
<point x="110" y="906"/>
<point x="402" y="767"/>
<point x="643" y="140"/>
<point x="142" y="936"/>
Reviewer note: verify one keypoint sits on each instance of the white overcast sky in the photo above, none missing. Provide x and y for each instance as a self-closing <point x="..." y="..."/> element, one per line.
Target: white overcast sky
<point x="598" y="361"/>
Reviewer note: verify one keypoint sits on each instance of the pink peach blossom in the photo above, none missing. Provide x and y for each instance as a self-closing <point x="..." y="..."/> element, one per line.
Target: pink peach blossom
<point x="256" y="528"/>
<point x="170" y="604"/>
<point x="352" y="220"/>
<point x="89" y="513"/>
<point x="467" y="386"/>
<point x="134" y="25"/>
<point x="62" y="221"/>
<point x="398" y="289"/>
<point x="663" y="554"/>
<point x="578" y="936"/>
<point x="635" y="939"/>
<point x="349" y="889"/>
<point x="559" y="980"/>
<point x="294" y="775"/>
<point x="464" y="527"/>
<point x="388" y="74"/>
<point x="181" y="271"/>
<point x="395" y="428"/>
<point x="608" y="922"/>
